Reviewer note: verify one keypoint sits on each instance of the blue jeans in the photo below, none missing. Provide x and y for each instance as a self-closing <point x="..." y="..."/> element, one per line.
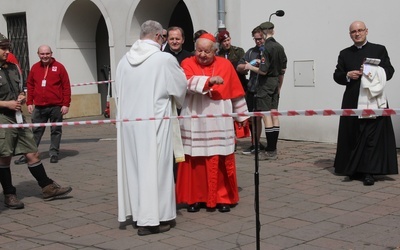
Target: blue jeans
<point x="43" y="114"/>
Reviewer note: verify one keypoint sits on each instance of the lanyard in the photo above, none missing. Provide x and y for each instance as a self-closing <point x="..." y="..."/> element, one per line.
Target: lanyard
<point x="45" y="73"/>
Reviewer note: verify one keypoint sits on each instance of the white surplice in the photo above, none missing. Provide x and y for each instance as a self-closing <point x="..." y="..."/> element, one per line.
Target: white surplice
<point x="148" y="84"/>
<point x="210" y="136"/>
<point x="372" y="89"/>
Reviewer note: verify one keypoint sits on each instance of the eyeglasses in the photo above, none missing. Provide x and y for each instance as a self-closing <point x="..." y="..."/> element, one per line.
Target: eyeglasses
<point x="158" y="36"/>
<point x="164" y="35"/>
<point x="5" y="48"/>
<point x="257" y="39"/>
<point x="357" y="31"/>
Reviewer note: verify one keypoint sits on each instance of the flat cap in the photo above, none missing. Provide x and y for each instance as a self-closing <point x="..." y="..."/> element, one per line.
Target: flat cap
<point x="267" y="26"/>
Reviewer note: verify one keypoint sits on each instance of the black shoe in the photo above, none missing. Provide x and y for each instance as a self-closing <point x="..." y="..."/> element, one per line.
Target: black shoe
<point x="53" y="159"/>
<point x="21" y="160"/>
<point x="224" y="208"/>
<point x="252" y="150"/>
<point x="193" y="208"/>
<point x="356" y="176"/>
<point x="368" y="180"/>
<point x="147" y="230"/>
<point x="171" y="223"/>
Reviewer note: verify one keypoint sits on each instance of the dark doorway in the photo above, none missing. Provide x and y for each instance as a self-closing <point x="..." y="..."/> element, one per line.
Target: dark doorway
<point x="180" y="17"/>
<point x="102" y="60"/>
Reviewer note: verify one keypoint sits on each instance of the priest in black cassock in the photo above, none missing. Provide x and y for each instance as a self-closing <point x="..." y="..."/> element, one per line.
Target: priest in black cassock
<point x="365" y="146"/>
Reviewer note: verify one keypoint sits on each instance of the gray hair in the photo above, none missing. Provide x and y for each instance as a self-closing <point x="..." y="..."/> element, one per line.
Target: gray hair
<point x="150" y="28"/>
<point x="214" y="46"/>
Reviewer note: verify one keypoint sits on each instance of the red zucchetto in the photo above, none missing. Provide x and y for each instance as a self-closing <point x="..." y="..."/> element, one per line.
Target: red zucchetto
<point x="208" y="36"/>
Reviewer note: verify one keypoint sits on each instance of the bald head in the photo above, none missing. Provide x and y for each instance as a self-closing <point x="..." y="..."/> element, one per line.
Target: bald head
<point x="357" y="24"/>
<point x="45" y="54"/>
<point x="44" y="48"/>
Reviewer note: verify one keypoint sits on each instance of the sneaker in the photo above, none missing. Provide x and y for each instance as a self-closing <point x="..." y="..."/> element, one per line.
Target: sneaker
<point x="21" y="160"/>
<point x="53" y="159"/>
<point x="54" y="191"/>
<point x="11" y="201"/>
<point x="249" y="151"/>
<point x="268" y="155"/>
<point x="252" y="149"/>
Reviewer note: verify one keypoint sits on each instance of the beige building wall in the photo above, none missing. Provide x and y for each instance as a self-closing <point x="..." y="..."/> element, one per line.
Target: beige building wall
<point x="312" y="32"/>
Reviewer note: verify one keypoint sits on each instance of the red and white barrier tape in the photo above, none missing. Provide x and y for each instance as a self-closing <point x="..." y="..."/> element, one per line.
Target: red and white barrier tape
<point x="323" y="112"/>
<point x="51" y="124"/>
<point x="90" y="83"/>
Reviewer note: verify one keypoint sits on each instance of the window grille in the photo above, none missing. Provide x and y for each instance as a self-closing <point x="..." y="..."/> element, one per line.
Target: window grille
<point x="18" y="35"/>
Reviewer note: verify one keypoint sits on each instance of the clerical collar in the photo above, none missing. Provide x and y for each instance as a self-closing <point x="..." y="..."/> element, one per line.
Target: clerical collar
<point x="176" y="52"/>
<point x="360" y="47"/>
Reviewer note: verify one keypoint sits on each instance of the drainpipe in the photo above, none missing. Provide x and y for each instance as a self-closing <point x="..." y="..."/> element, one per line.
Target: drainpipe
<point x="221" y="15"/>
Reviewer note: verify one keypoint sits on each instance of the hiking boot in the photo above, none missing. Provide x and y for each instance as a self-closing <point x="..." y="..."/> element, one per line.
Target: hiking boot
<point x="268" y="155"/>
<point x="21" y="160"/>
<point x="252" y="150"/>
<point x="54" y="191"/>
<point x="11" y="201"/>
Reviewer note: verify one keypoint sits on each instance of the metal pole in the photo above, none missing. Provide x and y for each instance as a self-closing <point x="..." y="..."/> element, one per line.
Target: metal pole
<point x="256" y="168"/>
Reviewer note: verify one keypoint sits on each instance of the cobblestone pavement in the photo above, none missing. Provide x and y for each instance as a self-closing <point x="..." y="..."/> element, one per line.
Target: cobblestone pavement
<point x="303" y="205"/>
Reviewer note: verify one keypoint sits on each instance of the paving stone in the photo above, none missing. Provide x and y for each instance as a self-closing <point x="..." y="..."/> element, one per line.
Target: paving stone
<point x="302" y="204"/>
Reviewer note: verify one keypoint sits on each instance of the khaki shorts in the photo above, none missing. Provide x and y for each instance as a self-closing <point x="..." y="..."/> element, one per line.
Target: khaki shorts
<point x="267" y="95"/>
<point x="15" y="141"/>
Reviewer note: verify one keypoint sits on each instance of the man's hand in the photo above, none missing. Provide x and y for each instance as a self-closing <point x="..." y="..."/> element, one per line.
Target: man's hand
<point x="215" y="80"/>
<point x="22" y="97"/>
<point x="30" y="109"/>
<point x="64" y="110"/>
<point x="354" y="74"/>
<point x="14" y="105"/>
<point x="248" y="66"/>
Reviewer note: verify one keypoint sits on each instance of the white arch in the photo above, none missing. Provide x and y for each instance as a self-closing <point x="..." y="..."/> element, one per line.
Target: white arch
<point x="76" y="49"/>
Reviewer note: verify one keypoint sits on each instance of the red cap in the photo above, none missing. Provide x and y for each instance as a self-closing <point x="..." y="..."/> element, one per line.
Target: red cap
<point x="222" y="35"/>
<point x="208" y="36"/>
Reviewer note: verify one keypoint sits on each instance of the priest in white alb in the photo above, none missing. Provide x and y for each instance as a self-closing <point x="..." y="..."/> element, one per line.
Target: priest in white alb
<point x="149" y="83"/>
